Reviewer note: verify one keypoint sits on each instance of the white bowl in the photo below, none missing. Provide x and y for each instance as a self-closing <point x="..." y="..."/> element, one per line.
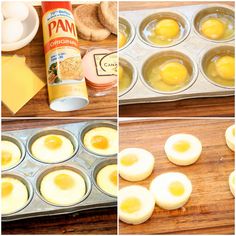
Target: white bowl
<point x="31" y="25"/>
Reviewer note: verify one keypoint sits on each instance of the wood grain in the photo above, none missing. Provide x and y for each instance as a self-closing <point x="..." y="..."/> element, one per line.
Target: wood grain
<point x="105" y="106"/>
<point x="99" y="221"/>
<point x="215" y="107"/>
<point x="210" y="209"/>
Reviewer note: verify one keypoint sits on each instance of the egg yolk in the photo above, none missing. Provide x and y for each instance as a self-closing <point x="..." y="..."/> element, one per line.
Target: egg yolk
<point x="6" y="189"/>
<point x="130" y="205"/>
<point x="176" y="188"/>
<point x="64" y="181"/>
<point x="167" y="28"/>
<point x="181" y="146"/>
<point x="129" y="160"/>
<point x="121" y="72"/>
<point x="173" y="73"/>
<point x="100" y="142"/>
<point x="225" y="67"/>
<point x="6" y="157"/>
<point x="213" y="28"/>
<point x="122" y="40"/>
<point x="53" y="142"/>
<point x="113" y="177"/>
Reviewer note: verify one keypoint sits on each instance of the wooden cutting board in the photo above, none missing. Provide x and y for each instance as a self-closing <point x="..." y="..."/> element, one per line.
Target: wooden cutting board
<point x="38" y="106"/>
<point x="210" y="209"/>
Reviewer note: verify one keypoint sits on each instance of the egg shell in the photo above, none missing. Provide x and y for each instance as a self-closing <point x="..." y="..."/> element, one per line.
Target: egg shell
<point x="230" y="138"/>
<point x="14" y="9"/>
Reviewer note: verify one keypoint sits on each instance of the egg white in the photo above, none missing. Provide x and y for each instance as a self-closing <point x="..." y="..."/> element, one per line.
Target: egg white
<point x="230" y="138"/>
<point x="183" y="158"/>
<point x="147" y="204"/>
<point x="62" y="197"/>
<point x="103" y="179"/>
<point x="141" y="169"/>
<point x="17" y="199"/>
<point x="163" y="197"/>
<point x="42" y="153"/>
<point x="15" y="151"/>
<point x="231" y="182"/>
<point x="109" y="133"/>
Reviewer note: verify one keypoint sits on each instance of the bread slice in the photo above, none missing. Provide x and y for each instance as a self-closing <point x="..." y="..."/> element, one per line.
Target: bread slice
<point x="107" y="13"/>
<point x="88" y="24"/>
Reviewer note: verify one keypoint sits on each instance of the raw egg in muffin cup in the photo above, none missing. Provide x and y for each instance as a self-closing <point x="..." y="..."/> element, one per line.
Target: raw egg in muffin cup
<point x="169" y="72"/>
<point x="215" y="23"/>
<point x="126" y="33"/>
<point x="100" y="139"/>
<point x="52" y="146"/>
<point x="63" y="186"/>
<point x="164" y="29"/>
<point x="127" y="75"/>
<point x="12" y="152"/>
<point x="218" y="66"/>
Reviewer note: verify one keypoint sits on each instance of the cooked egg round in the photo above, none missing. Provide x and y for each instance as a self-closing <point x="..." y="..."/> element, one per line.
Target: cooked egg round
<point x="101" y="140"/>
<point x="14" y="195"/>
<point x="122" y="40"/>
<point x="174" y="73"/>
<point x="63" y="187"/>
<point x="136" y="204"/>
<point x="225" y="67"/>
<point x="230" y="137"/>
<point x="232" y="182"/>
<point x="52" y="148"/>
<point x="171" y="190"/>
<point x="213" y="28"/>
<point x="183" y="149"/>
<point x="167" y="28"/>
<point x="135" y="164"/>
<point x="11" y="154"/>
<point x="107" y="179"/>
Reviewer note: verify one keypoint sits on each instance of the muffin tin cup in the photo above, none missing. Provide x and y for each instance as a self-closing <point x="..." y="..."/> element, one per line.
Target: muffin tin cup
<point x="130" y="63"/>
<point x="97" y="168"/>
<point x="62" y="132"/>
<point x="210" y="10"/>
<point x="176" y="54"/>
<point x="192" y="46"/>
<point x="78" y="170"/>
<point x="132" y="32"/>
<point x="92" y="125"/>
<point x="162" y="15"/>
<point x="27" y="184"/>
<point x="19" y="144"/>
<point x="32" y="171"/>
<point x="207" y="54"/>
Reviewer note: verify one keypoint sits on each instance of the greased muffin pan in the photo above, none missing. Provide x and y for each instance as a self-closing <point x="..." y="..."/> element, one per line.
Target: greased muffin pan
<point x="191" y="47"/>
<point x="31" y="171"/>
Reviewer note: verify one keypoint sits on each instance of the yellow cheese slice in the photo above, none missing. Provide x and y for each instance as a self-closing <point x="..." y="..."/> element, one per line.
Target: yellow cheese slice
<point x="19" y="83"/>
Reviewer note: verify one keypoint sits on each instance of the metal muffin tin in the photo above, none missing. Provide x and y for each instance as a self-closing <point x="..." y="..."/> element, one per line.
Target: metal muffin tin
<point x="30" y="171"/>
<point x="192" y="45"/>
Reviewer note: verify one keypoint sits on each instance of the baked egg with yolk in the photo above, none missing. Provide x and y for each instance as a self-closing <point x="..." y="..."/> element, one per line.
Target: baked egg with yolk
<point x="232" y="182"/>
<point x="125" y="78"/>
<point x="230" y="137"/>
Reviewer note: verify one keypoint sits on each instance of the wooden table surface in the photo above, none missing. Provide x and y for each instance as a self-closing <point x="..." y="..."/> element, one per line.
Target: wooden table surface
<point x="218" y="107"/>
<point x="99" y="221"/>
<point x="210" y="209"/>
<point x="38" y="106"/>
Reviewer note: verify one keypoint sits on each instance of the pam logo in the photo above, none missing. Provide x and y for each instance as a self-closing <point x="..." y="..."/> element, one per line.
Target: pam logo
<point x="61" y="25"/>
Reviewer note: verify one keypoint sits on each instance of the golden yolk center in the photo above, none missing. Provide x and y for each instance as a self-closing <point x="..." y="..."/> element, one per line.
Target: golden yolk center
<point x="122" y="40"/>
<point x="113" y="177"/>
<point x="64" y="181"/>
<point x="6" y="189"/>
<point x="6" y="157"/>
<point x="129" y="160"/>
<point x="130" y="205"/>
<point x="100" y="142"/>
<point x="53" y="142"/>
<point x="167" y="28"/>
<point x="225" y="67"/>
<point x="181" y="146"/>
<point x="176" y="188"/>
<point x="213" y="28"/>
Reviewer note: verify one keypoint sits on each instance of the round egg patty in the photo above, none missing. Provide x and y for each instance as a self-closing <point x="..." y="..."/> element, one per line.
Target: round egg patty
<point x="63" y="187"/>
<point x="107" y="179"/>
<point x="14" y="195"/>
<point x="52" y="148"/>
<point x="101" y="140"/>
<point x="232" y="182"/>
<point x="230" y="137"/>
